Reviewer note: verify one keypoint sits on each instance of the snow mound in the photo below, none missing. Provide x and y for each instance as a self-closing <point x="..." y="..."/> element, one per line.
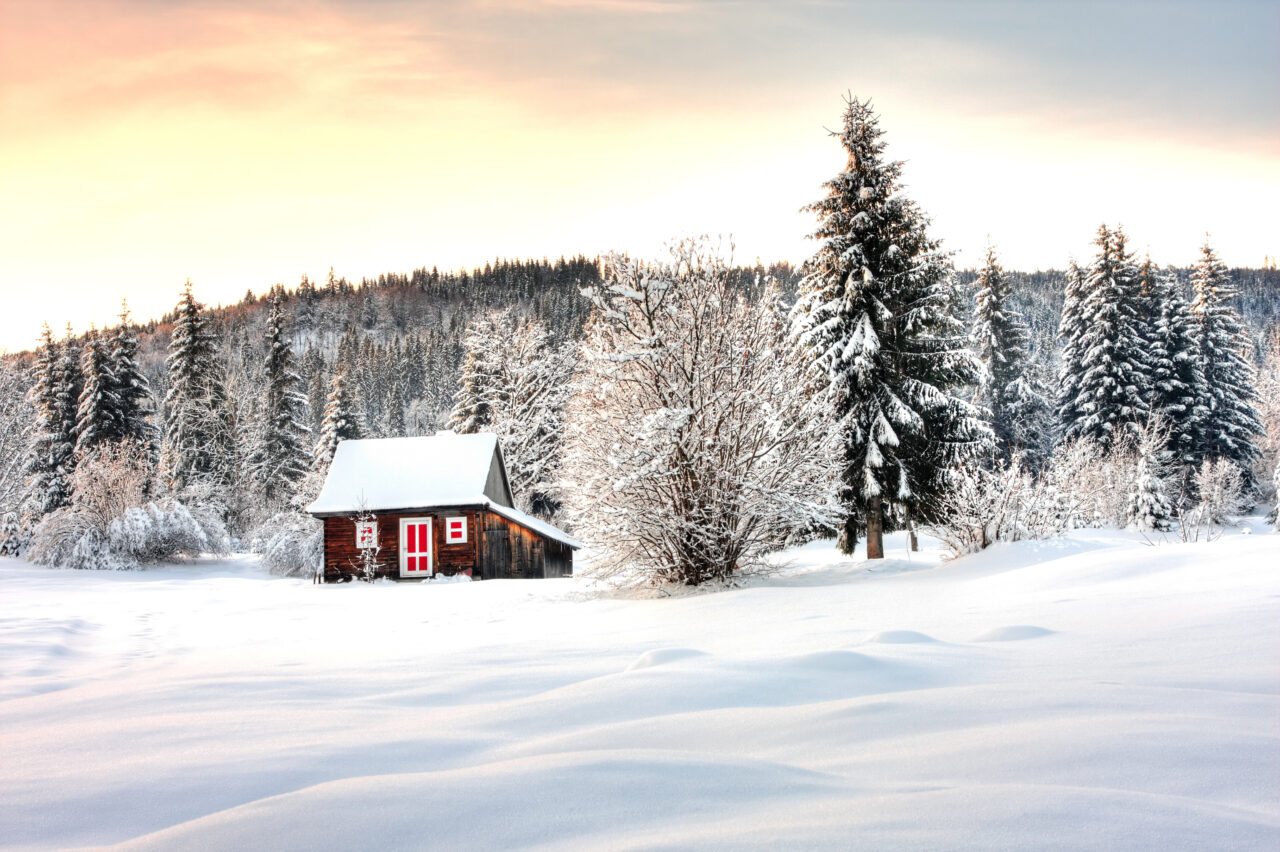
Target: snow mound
<point x="901" y="637"/>
<point x="1013" y="632"/>
<point x="838" y="661"/>
<point x="662" y="656"/>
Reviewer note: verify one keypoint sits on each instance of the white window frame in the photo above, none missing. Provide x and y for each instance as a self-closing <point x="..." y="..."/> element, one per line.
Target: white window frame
<point x="361" y="544"/>
<point x="448" y="530"/>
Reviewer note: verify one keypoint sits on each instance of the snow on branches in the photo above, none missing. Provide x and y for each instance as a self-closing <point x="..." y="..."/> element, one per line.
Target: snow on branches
<point x="695" y="443"/>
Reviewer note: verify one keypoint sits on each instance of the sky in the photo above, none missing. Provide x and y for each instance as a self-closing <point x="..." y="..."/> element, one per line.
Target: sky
<point x="242" y="144"/>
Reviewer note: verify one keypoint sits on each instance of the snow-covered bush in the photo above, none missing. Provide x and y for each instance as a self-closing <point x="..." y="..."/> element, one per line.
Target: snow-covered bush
<point x="1010" y="503"/>
<point x="1081" y="486"/>
<point x="1221" y="485"/>
<point x="694" y="445"/>
<point x="1275" y="479"/>
<point x="111" y="525"/>
<point x="291" y="544"/>
<point x="13" y="539"/>
<point x="71" y="538"/>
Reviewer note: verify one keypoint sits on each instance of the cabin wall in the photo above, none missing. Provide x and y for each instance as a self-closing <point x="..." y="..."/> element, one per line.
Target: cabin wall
<point x="496" y="548"/>
<point x="342" y="557"/>
<point x="508" y="550"/>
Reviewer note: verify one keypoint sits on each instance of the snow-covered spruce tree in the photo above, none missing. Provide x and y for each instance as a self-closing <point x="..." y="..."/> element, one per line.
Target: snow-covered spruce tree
<point x="1019" y="411"/>
<point x="278" y="458"/>
<point x="481" y="369"/>
<point x="1070" y="331"/>
<point x="51" y="457"/>
<point x="1275" y="481"/>
<point x="12" y="539"/>
<point x="98" y="410"/>
<point x="520" y="394"/>
<point x="1177" y="380"/>
<point x="341" y="422"/>
<point x="1114" y="383"/>
<point x="694" y="445"/>
<point x="1231" y="421"/>
<point x="1269" y="410"/>
<point x="132" y="390"/>
<point x="199" y="439"/>
<point x="877" y="319"/>
<point x="393" y="425"/>
<point x="1149" y="505"/>
<point x="17" y="421"/>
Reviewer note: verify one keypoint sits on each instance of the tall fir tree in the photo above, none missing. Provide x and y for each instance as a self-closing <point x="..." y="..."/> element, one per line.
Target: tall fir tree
<point x="278" y="459"/>
<point x="1231" y="420"/>
<point x="1113" y="382"/>
<point x="51" y="456"/>
<point x="1010" y="390"/>
<point x="199" y="439"/>
<point x="481" y="375"/>
<point x="1177" y="380"/>
<point x="1070" y="329"/>
<point x="877" y="318"/>
<point x="132" y="390"/>
<point x="98" y="406"/>
<point x="341" y="422"/>
<point x="393" y="425"/>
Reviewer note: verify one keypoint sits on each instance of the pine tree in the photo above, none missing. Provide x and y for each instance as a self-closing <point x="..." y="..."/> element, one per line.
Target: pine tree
<point x="317" y="387"/>
<point x="877" y="317"/>
<point x="1070" y="330"/>
<point x="278" y="459"/>
<point x="472" y="405"/>
<point x="1231" y="419"/>
<point x="1177" y="381"/>
<point x="98" y="408"/>
<point x="1019" y="411"/>
<point x="132" y="390"/>
<point x="341" y="422"/>
<point x="12" y="539"/>
<point x="1113" y="385"/>
<point x="1275" y="481"/>
<point x="199" y="440"/>
<point x="393" y="413"/>
<point x="1149" y="507"/>
<point x="51" y="456"/>
<point x="518" y="388"/>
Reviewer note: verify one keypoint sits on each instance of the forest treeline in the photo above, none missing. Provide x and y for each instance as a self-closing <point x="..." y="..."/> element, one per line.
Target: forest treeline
<point x="924" y="392"/>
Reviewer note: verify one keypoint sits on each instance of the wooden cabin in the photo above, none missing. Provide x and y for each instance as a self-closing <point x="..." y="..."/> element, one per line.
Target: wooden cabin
<point x="438" y="504"/>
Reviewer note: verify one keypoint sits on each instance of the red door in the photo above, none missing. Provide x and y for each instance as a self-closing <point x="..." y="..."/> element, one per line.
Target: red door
<point x="415" y="547"/>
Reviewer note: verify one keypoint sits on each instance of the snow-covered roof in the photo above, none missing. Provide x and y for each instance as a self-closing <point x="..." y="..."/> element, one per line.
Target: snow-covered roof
<point x="445" y="469"/>
<point x="532" y="523"/>
<point x="379" y="474"/>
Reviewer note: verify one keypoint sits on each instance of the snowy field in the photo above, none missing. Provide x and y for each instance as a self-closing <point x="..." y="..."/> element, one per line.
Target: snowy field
<point x="1094" y="693"/>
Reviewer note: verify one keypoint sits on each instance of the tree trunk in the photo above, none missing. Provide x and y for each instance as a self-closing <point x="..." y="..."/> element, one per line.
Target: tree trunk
<point x="912" y="543"/>
<point x="875" y="530"/>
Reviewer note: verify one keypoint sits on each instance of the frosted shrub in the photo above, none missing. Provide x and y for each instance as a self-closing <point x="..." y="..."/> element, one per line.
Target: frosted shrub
<point x="1005" y="503"/>
<point x="693" y="445"/>
<point x="291" y="544"/>
<point x="13" y="539"/>
<point x="1081" y="486"/>
<point x="1221" y="486"/>
<point x="70" y="538"/>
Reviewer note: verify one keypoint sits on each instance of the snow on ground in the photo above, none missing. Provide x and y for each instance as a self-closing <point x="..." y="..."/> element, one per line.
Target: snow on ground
<point x="1095" y="692"/>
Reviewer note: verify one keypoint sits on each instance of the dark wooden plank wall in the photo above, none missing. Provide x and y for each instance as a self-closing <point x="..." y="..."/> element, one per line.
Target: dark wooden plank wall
<point x="509" y="550"/>
<point x="496" y="547"/>
<point x="342" y="557"/>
